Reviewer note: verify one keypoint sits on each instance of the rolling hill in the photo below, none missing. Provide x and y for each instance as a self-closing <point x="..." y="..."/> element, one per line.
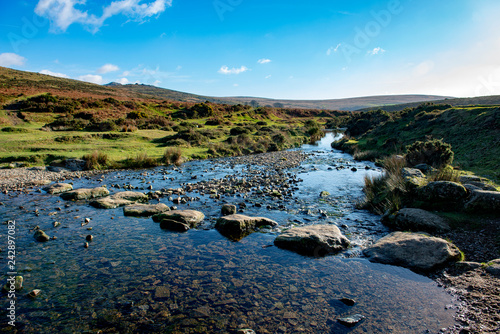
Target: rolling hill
<point x="15" y="82"/>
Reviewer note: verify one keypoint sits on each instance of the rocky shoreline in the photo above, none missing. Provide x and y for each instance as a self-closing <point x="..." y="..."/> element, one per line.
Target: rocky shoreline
<point x="24" y="178"/>
<point x="470" y="281"/>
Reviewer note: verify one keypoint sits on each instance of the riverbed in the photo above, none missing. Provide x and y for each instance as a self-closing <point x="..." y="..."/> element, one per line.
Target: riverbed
<point x="137" y="278"/>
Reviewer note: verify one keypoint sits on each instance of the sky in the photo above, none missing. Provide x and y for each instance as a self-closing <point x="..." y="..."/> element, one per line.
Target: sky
<point x="316" y="49"/>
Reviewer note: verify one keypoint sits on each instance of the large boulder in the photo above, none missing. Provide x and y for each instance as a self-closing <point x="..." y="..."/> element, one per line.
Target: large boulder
<point x="413" y="177"/>
<point x="145" y="210"/>
<point x="58" y="188"/>
<point x="483" y="201"/>
<point x="493" y="267"/>
<point x="179" y="220"/>
<point x="238" y="226"/>
<point x="414" y="251"/>
<point x="119" y="199"/>
<point x="417" y="220"/>
<point x="481" y="185"/>
<point x="438" y="193"/>
<point x="314" y="240"/>
<point x="84" y="193"/>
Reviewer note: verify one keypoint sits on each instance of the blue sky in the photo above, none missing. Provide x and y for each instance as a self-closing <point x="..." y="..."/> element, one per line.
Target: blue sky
<point x="318" y="49"/>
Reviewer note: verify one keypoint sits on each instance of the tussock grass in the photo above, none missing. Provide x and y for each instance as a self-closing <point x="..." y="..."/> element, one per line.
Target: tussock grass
<point x="96" y="160"/>
<point x="172" y="156"/>
<point x="385" y="193"/>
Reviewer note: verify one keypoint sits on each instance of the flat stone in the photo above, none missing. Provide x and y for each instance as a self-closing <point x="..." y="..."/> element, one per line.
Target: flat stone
<point x="417" y="220"/>
<point x="119" y="199"/>
<point x="58" y="188"/>
<point x="414" y="251"/>
<point x="237" y="226"/>
<point x="314" y="240"/>
<point x="83" y="193"/>
<point x="145" y="210"/>
<point x="179" y="220"/>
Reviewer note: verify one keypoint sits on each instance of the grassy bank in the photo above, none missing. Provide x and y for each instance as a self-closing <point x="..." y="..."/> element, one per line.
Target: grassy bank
<point x="473" y="132"/>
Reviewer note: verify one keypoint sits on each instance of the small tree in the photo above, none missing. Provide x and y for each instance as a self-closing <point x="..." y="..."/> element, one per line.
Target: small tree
<point x="435" y="153"/>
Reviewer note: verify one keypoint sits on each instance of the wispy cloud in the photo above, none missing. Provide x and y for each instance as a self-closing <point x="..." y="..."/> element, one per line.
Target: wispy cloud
<point x="63" y="13"/>
<point x="54" y="74"/>
<point x="376" y="51"/>
<point x="264" y="61"/>
<point x="11" y="59"/>
<point x="107" y="68"/>
<point x="333" y="49"/>
<point x="97" y="79"/>
<point x="227" y="70"/>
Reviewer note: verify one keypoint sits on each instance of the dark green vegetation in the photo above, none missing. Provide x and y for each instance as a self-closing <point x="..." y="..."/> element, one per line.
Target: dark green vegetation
<point x="473" y="133"/>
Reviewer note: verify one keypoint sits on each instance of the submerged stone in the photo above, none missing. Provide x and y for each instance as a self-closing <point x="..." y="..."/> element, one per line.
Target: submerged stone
<point x="41" y="236"/>
<point x="351" y="320"/>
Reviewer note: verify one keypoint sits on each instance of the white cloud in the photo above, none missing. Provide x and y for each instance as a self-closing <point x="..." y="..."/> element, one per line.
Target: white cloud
<point x="123" y="81"/>
<point x="63" y="13"/>
<point x="97" y="79"/>
<point x="126" y="73"/>
<point x="54" y="74"/>
<point x="376" y="51"/>
<point x="267" y="77"/>
<point x="333" y="49"/>
<point x="11" y="59"/>
<point x="107" y="68"/>
<point x="264" y="61"/>
<point x="235" y="85"/>
<point x="227" y="70"/>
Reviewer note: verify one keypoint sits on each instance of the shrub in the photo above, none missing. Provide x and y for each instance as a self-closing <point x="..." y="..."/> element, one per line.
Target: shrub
<point x="95" y="160"/>
<point x="435" y="153"/>
<point x="137" y="114"/>
<point x="238" y="130"/>
<point x="172" y="156"/>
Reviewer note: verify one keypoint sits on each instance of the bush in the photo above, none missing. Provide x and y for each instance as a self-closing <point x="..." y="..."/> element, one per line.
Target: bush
<point x="172" y="156"/>
<point x="435" y="153"/>
<point x="236" y="131"/>
<point x="96" y="160"/>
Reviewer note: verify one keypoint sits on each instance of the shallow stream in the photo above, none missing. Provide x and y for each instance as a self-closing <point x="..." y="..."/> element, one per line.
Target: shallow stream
<point x="138" y="278"/>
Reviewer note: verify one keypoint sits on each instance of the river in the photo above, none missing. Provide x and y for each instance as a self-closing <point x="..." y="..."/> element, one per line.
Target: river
<point x="138" y="278"/>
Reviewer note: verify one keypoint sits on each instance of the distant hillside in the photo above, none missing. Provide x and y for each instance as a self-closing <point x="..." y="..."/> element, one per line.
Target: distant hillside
<point x="456" y="102"/>
<point x="29" y="83"/>
<point x="350" y="104"/>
